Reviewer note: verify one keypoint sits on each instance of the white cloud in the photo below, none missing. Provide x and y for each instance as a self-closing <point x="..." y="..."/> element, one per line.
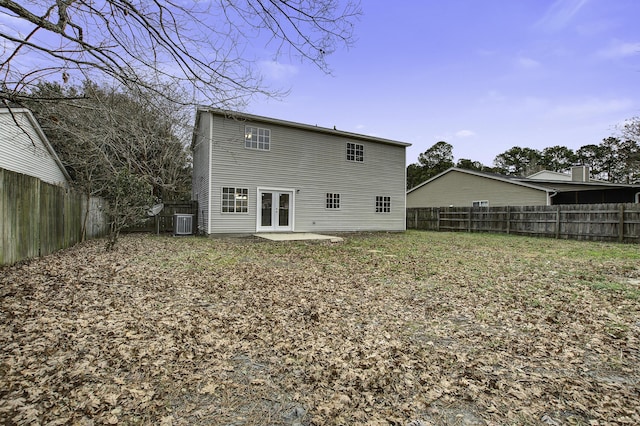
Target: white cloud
<point x="532" y="104"/>
<point x="486" y="52"/>
<point x="465" y="133"/>
<point x="590" y="108"/>
<point x="620" y="49"/>
<point x="276" y="70"/>
<point x="595" y="27"/>
<point x="442" y="137"/>
<point x="493" y="97"/>
<point x="527" y="63"/>
<point x="560" y="14"/>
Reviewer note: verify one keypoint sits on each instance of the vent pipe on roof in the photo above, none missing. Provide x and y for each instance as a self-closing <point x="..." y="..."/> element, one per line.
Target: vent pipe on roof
<point x="580" y="174"/>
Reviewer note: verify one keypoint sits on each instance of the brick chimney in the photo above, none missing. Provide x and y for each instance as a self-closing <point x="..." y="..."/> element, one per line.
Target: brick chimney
<point x="580" y="174"/>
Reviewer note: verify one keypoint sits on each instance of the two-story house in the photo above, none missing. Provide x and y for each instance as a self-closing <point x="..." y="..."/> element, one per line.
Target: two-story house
<point x="259" y="174"/>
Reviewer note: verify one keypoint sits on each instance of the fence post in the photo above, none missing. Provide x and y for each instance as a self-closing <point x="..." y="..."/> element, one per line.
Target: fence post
<point x="438" y="219"/>
<point x="621" y="224"/>
<point x="508" y="220"/>
<point x="469" y="221"/>
<point x="415" y="219"/>
<point x="558" y="222"/>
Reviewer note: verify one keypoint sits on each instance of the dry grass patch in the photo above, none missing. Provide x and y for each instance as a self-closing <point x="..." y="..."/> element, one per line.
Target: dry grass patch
<point x="434" y="328"/>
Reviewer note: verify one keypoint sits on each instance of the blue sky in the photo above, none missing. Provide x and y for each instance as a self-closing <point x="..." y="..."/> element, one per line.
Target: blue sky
<point x="483" y="76"/>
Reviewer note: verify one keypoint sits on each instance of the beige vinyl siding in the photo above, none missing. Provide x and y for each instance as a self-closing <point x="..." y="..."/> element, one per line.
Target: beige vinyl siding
<point x="460" y="189"/>
<point x="311" y="164"/>
<point x="26" y="153"/>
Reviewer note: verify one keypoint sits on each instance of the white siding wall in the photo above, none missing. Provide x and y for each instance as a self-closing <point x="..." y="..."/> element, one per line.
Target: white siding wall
<point x="20" y="154"/>
<point x="311" y="164"/>
<point x="201" y="171"/>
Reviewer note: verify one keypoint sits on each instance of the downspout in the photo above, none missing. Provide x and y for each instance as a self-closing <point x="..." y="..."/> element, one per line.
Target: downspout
<point x="550" y="195"/>
<point x="638" y="197"/>
<point x="209" y="168"/>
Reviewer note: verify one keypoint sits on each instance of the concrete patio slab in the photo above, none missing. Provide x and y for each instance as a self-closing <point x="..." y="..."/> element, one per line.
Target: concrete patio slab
<point x="297" y="236"/>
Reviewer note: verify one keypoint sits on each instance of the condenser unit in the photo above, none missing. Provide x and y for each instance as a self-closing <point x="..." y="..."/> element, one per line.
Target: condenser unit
<point x="182" y="224"/>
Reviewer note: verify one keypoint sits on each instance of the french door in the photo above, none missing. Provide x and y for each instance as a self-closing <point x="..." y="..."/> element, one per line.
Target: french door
<point x="275" y="210"/>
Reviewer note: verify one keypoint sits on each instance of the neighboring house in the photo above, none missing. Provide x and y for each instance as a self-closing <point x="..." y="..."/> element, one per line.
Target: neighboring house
<point x="25" y="148"/>
<point x="258" y="174"/>
<point x="469" y="188"/>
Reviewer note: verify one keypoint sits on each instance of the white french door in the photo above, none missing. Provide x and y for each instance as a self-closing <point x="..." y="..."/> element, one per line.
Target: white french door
<point x="275" y="210"/>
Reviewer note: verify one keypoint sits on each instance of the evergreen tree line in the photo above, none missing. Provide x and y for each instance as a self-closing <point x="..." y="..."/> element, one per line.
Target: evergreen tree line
<point x="616" y="159"/>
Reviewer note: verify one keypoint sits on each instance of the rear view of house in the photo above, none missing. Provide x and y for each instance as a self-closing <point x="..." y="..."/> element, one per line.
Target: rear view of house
<point x="259" y="174"/>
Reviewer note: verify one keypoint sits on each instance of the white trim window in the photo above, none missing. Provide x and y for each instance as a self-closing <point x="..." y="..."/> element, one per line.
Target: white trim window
<point x="333" y="201"/>
<point x="480" y="203"/>
<point x="383" y="204"/>
<point x="257" y="138"/>
<point x="235" y="200"/>
<point x="355" y="152"/>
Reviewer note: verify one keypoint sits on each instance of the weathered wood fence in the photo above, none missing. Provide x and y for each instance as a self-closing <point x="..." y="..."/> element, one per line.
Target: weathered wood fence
<point x="596" y="222"/>
<point x="164" y="221"/>
<point x="37" y="218"/>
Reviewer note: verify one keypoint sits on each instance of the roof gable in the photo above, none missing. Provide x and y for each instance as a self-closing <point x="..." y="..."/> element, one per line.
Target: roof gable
<point x="24" y="112"/>
<point x="549" y="175"/>
<point x="502" y="178"/>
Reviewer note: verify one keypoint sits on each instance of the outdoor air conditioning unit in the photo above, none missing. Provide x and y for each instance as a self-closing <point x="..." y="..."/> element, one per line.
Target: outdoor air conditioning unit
<point x="182" y="224"/>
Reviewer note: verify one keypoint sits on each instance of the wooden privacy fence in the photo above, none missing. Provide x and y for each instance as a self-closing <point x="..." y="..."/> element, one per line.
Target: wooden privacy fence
<point x="37" y="218"/>
<point x="597" y="222"/>
<point x="164" y="221"/>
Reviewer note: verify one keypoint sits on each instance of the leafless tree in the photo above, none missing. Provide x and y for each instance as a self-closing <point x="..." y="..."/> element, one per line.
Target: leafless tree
<point x="202" y="47"/>
<point x="125" y="148"/>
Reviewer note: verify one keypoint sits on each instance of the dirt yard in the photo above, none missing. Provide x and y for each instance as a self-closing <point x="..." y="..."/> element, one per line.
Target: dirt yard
<point x="381" y="329"/>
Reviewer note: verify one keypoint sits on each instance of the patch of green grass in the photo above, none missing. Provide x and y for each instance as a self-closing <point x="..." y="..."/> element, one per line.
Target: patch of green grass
<point x="602" y="251"/>
<point x="534" y="303"/>
<point x="482" y="315"/>
<point x="607" y="286"/>
<point x="616" y="330"/>
<point x="626" y="290"/>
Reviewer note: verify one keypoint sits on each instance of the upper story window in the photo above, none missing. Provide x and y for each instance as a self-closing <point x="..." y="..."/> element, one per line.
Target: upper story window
<point x="355" y="152"/>
<point x="235" y="200"/>
<point x="481" y="203"/>
<point x="333" y="201"/>
<point x="257" y="138"/>
<point x="383" y="204"/>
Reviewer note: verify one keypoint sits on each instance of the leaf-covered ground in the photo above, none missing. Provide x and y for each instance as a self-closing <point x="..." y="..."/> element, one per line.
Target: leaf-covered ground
<point x="415" y="328"/>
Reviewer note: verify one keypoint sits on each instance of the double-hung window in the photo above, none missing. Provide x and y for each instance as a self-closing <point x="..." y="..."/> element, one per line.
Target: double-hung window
<point x="333" y="201"/>
<point x="481" y="203"/>
<point x="235" y="200"/>
<point x="383" y="204"/>
<point x="257" y="138"/>
<point x="355" y="152"/>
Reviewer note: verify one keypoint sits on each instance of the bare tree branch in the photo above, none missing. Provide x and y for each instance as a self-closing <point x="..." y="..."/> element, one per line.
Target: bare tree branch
<point x="201" y="47"/>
